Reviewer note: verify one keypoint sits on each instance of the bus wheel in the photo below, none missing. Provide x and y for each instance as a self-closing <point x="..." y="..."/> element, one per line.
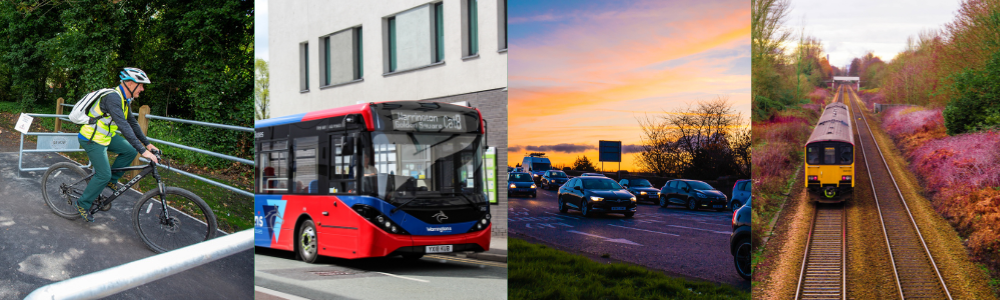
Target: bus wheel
<point x="306" y="242"/>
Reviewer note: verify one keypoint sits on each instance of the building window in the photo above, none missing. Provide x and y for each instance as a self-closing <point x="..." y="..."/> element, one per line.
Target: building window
<point x="502" y="24"/>
<point x="304" y="66"/>
<point x="392" y="44"/>
<point x="413" y="39"/>
<point x="438" y="32"/>
<point x="341" y="59"/>
<point x="472" y="27"/>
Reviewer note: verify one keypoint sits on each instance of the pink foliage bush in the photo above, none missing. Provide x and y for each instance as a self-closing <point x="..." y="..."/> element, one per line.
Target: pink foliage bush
<point x="900" y="121"/>
<point x="967" y="160"/>
<point x="819" y="95"/>
<point x="869" y="98"/>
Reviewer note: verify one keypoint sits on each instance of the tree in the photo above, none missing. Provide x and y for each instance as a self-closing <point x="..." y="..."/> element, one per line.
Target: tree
<point x="584" y="164"/>
<point x="261" y="90"/>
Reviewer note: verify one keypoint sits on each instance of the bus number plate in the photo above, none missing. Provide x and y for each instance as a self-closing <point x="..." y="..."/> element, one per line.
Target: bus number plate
<point x="439" y="249"/>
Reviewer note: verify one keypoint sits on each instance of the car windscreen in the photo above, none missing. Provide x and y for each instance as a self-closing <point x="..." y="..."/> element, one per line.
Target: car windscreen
<point x="519" y="177"/>
<point x="698" y="185"/>
<point x="600" y="184"/>
<point x="540" y="166"/>
<point x="557" y="174"/>
<point x="639" y="183"/>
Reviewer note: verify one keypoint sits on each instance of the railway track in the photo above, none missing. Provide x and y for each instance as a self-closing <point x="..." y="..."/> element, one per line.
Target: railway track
<point x="823" y="274"/>
<point x="916" y="274"/>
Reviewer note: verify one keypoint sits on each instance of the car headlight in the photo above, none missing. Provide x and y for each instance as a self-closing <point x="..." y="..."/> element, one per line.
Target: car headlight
<point x="595" y="198"/>
<point x="642" y="193"/>
<point x="513" y="186"/>
<point x="536" y="175"/>
<point x="700" y="195"/>
<point x="533" y="186"/>
<point x="633" y="198"/>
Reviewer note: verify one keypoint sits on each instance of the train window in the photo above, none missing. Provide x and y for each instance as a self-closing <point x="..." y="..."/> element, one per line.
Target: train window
<point x="304" y="173"/>
<point x="846" y="155"/>
<point x="829" y="155"/>
<point x="812" y="156"/>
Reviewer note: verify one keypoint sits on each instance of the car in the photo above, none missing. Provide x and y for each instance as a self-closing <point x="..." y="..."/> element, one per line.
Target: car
<point x="693" y="194"/>
<point x="741" y="193"/>
<point x="521" y="184"/>
<point x="739" y="242"/>
<point x="553" y="178"/>
<point x="595" y="194"/>
<point x="641" y="189"/>
<point x="593" y="174"/>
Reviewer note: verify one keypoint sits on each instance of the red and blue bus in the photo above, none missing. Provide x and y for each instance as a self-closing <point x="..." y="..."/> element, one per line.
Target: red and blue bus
<point x="372" y="180"/>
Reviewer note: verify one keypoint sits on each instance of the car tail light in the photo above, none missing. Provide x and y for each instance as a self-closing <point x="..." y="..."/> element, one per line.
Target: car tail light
<point x="734" y="216"/>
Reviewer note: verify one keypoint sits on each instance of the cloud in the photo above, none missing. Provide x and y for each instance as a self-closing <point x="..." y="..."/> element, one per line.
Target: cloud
<point x="567" y="148"/>
<point x="513" y="149"/>
<point x="631" y="149"/>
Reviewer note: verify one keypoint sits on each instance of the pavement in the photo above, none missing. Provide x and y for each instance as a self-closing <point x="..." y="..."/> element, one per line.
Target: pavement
<point x="674" y="240"/>
<point x="37" y="247"/>
<point x="278" y="275"/>
<point x="497" y="252"/>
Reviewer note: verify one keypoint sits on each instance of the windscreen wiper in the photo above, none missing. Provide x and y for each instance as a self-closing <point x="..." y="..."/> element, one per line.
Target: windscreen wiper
<point x="398" y="207"/>
<point x="466" y="198"/>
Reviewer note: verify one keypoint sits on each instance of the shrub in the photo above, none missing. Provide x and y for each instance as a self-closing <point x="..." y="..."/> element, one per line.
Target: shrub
<point x="976" y="104"/>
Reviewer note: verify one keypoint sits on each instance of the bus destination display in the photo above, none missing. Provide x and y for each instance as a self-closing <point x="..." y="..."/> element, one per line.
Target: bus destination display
<point x="427" y="121"/>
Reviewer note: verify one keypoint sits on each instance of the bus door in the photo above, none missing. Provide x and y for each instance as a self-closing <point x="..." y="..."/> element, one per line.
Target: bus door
<point x="339" y="223"/>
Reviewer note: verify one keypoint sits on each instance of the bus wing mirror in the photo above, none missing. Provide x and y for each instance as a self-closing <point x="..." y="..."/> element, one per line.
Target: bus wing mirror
<point x="347" y="147"/>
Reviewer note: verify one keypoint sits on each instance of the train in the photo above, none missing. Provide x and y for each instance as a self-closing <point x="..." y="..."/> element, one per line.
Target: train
<point x="829" y="154"/>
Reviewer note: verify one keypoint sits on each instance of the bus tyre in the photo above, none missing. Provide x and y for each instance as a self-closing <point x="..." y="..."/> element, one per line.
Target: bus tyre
<point x="305" y="242"/>
<point x="562" y="205"/>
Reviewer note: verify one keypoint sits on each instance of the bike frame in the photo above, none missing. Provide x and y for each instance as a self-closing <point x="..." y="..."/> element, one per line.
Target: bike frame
<point x="144" y="172"/>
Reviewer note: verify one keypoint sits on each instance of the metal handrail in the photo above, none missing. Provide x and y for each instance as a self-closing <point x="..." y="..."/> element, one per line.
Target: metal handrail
<point x="113" y="280"/>
<point x="223" y="126"/>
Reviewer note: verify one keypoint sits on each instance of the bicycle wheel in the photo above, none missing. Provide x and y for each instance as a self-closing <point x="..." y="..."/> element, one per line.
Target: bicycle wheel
<point x="62" y="185"/>
<point x="189" y="220"/>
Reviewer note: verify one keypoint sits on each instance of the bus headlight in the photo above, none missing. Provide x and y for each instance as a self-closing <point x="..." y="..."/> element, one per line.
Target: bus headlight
<point x="378" y="219"/>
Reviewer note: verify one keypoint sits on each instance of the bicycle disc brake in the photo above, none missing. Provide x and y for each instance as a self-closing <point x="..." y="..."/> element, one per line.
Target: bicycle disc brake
<point x="171" y="224"/>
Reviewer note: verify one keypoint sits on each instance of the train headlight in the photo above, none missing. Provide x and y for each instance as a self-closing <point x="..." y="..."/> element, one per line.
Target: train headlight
<point x="845" y="177"/>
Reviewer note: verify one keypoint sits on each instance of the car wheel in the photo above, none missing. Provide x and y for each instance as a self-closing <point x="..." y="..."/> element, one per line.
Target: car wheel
<point x="585" y="210"/>
<point x="742" y="259"/>
<point x="533" y="195"/>
<point x="734" y="206"/>
<point x="629" y="214"/>
<point x="663" y="202"/>
<point x="562" y="205"/>
<point x="692" y="205"/>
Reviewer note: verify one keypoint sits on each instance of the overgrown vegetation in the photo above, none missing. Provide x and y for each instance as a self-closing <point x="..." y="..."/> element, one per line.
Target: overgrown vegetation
<point x="540" y="272"/>
<point x="961" y="174"/>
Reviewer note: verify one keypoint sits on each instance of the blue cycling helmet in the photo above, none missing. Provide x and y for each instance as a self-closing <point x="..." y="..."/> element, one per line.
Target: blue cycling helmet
<point x="134" y="74"/>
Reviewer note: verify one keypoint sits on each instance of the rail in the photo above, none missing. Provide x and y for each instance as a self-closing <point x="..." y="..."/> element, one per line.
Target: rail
<point x="113" y="280"/>
<point x="143" y="117"/>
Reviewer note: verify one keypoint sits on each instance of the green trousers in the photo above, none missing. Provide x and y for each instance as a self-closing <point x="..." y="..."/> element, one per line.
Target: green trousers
<point x="102" y="168"/>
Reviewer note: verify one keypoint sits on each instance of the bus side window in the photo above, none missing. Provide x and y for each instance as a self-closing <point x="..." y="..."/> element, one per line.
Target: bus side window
<point x="343" y="168"/>
<point x="304" y="175"/>
<point x="273" y="168"/>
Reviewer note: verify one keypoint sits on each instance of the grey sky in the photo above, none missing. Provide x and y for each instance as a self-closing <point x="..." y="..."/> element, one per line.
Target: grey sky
<point x="260" y="29"/>
<point x="848" y="28"/>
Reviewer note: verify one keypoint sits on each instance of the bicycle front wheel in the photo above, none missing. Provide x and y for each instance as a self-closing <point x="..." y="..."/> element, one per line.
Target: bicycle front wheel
<point x="62" y="185"/>
<point x="186" y="221"/>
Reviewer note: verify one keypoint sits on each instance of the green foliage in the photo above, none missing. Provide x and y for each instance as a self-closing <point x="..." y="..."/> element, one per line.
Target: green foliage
<point x="262" y="89"/>
<point x="976" y="104"/>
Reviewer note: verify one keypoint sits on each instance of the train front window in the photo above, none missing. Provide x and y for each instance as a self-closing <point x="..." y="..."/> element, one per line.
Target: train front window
<point x="812" y="155"/>
<point x="438" y="168"/>
<point x="829" y="155"/>
<point x="846" y="155"/>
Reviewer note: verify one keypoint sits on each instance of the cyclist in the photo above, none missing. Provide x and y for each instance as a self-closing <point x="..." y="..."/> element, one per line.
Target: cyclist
<point x="99" y="137"/>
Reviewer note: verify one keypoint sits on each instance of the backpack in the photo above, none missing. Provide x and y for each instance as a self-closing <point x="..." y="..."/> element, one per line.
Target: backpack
<point x="79" y="113"/>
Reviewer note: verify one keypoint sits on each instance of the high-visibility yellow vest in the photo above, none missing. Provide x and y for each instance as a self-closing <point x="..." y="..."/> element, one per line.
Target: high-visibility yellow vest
<point x="101" y="131"/>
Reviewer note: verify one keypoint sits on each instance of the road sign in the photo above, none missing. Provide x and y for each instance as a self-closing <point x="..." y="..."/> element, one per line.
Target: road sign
<point x="610" y="151"/>
<point x="23" y="123"/>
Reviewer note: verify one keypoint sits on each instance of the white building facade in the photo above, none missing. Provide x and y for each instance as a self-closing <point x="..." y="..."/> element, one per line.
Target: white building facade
<point x="327" y="54"/>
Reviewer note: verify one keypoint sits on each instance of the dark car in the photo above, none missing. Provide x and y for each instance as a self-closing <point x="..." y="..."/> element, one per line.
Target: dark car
<point x="595" y="194"/>
<point x="520" y="184"/>
<point x="739" y="241"/>
<point x="741" y="193"/>
<point x="692" y="194"/>
<point x="641" y="188"/>
<point x="593" y="174"/>
<point x="553" y="179"/>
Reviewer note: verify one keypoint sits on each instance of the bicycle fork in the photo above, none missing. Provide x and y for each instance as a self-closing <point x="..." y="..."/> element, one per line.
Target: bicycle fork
<point x="165" y="219"/>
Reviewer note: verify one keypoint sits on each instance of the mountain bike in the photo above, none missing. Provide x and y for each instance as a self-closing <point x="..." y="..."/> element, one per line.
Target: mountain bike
<point x="165" y="218"/>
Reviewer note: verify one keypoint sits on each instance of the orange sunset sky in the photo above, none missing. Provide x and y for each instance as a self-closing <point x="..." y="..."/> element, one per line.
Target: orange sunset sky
<point x="584" y="71"/>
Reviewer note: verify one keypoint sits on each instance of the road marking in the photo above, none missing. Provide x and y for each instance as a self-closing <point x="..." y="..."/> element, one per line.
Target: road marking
<point x="722" y="232"/>
<point x="403" y="277"/>
<point x="622" y="241"/>
<point x="644" y="230"/>
<point x="467" y="260"/>
<point x="562" y="216"/>
<point x="277" y="293"/>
